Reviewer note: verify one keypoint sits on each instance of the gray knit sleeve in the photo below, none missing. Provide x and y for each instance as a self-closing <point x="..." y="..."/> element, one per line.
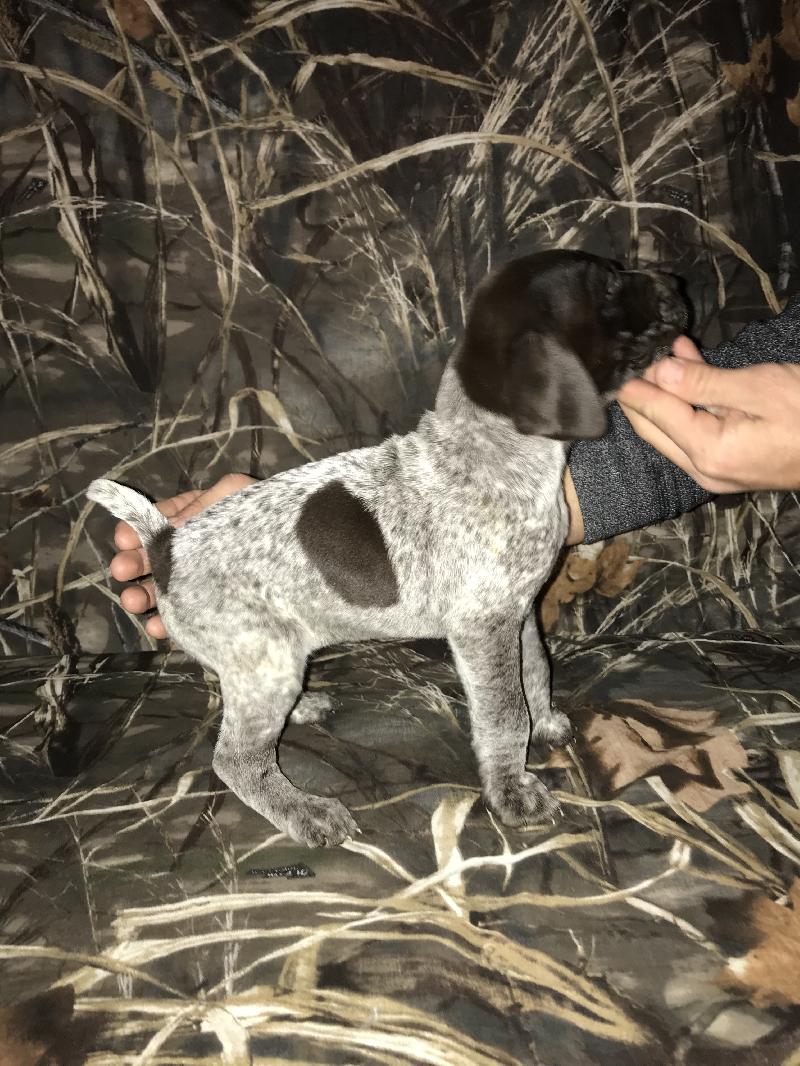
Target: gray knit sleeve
<point x="623" y="483"/>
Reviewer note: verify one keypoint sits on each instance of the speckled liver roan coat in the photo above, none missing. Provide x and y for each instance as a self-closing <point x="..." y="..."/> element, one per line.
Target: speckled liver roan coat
<point x="449" y="531"/>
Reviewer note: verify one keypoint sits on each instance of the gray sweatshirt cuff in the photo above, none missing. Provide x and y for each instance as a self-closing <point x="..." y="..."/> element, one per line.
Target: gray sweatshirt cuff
<point x="623" y="483"/>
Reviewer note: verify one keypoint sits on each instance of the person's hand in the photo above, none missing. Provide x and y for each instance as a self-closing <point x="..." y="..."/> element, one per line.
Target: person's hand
<point x="748" y="438"/>
<point x="131" y="561"/>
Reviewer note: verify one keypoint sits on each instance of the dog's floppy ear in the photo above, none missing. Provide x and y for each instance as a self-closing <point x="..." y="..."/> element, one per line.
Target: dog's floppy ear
<point x="550" y="392"/>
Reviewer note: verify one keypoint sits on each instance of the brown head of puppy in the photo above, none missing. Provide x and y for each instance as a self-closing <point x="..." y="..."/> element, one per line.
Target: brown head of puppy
<point x="550" y="337"/>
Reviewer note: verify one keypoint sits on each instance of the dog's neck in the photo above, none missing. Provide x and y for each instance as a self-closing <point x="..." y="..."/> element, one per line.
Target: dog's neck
<point x="488" y="446"/>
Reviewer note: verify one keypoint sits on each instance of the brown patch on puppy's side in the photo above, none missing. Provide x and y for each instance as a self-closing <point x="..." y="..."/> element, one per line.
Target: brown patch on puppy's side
<point x="344" y="541"/>
<point x="159" y="552"/>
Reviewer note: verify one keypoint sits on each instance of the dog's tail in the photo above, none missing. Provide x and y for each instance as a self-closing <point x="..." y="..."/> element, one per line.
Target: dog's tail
<point x="131" y="506"/>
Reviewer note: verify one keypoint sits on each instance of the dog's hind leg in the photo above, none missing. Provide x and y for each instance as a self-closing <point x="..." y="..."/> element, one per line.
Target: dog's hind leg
<point x="488" y="662"/>
<point x="548" y="725"/>
<point x="256" y="704"/>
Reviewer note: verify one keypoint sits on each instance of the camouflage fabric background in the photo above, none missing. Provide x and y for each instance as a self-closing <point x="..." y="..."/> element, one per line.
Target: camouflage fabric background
<point x="238" y="235"/>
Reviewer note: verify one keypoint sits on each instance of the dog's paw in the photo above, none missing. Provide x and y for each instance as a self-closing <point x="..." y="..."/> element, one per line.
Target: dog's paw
<point x="521" y="800"/>
<point x="311" y="707"/>
<point x="552" y="728"/>
<point x="318" y="822"/>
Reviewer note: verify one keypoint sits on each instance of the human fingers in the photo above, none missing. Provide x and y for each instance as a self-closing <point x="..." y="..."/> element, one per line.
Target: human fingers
<point x="226" y="486"/>
<point x="141" y="598"/>
<point x="131" y="561"/>
<point x="138" y="598"/>
<point x="663" y="443"/>
<point x="126" y="537"/>
<point x="156" y="628"/>
<point x="747" y="389"/>
<point x="683" y="348"/>
<point x="674" y="417"/>
<point x="174" y="505"/>
<point x="130" y="564"/>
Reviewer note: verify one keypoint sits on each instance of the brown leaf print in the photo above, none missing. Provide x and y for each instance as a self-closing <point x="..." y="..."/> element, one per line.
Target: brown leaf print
<point x="754" y="76"/>
<point x="638" y="739"/>
<point x="609" y="573"/>
<point x="135" y="18"/>
<point x="41" y="496"/>
<point x="615" y="571"/>
<point x="789" y="37"/>
<point x="769" y="974"/>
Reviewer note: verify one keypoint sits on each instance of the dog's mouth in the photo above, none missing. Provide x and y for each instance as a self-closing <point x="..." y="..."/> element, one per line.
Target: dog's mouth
<point x="655" y="342"/>
<point x="658" y="315"/>
<point x="668" y="317"/>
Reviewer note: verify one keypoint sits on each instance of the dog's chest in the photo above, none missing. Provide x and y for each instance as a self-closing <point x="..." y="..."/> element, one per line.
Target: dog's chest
<point x="478" y="551"/>
<point x="471" y="524"/>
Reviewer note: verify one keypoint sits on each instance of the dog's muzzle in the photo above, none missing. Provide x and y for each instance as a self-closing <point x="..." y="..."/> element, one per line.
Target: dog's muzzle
<point x="665" y="315"/>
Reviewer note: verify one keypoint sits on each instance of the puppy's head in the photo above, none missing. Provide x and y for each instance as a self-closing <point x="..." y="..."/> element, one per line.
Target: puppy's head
<point x="552" y="336"/>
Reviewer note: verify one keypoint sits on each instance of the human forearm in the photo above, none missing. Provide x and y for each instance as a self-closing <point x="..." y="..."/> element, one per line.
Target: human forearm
<point x="576" y="531"/>
<point x="621" y="482"/>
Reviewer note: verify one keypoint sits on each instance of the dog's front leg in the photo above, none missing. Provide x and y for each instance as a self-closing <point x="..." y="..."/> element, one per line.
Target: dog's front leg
<point x="548" y="725"/>
<point x="255" y="708"/>
<point x="488" y="662"/>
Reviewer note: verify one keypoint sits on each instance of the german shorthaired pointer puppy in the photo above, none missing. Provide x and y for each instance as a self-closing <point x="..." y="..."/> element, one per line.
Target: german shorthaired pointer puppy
<point x="449" y="531"/>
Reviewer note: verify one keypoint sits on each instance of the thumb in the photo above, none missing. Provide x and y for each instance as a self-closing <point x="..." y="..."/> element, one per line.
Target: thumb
<point x="703" y="385"/>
